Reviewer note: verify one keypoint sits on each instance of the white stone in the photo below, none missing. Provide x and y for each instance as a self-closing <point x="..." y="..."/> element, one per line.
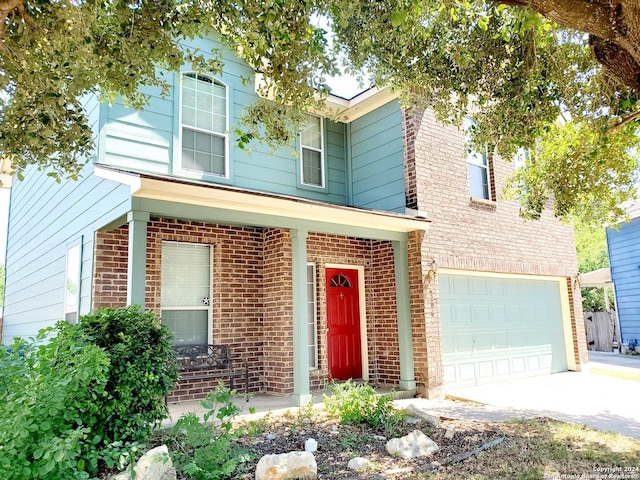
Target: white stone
<point x="360" y="464"/>
<point x="413" y="411"/>
<point x="311" y="445"/>
<point x="153" y="465"/>
<point x="298" y="465"/>
<point x="451" y="430"/>
<point x="416" y="444"/>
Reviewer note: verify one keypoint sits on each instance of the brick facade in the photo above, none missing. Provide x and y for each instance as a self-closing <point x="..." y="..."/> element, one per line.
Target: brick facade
<point x="475" y="234"/>
<point x="110" y="268"/>
<point x="252" y="296"/>
<point x="251" y="271"/>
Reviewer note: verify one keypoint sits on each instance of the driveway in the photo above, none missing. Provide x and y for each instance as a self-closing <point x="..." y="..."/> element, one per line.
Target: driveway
<point x="601" y="401"/>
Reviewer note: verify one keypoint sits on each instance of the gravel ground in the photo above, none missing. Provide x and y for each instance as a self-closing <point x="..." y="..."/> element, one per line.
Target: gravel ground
<point x="337" y="444"/>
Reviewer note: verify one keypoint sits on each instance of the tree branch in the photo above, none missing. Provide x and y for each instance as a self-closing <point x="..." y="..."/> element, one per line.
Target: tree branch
<point x="614" y="26"/>
<point x="7" y="8"/>
<point x="623" y="122"/>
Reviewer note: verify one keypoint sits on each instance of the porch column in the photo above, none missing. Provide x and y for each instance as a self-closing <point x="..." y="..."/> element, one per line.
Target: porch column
<point x="407" y="374"/>
<point x="301" y="385"/>
<point x="137" y="260"/>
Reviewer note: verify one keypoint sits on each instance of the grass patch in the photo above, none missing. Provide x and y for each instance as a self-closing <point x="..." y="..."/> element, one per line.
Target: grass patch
<point x="617" y="374"/>
<point x="544" y="448"/>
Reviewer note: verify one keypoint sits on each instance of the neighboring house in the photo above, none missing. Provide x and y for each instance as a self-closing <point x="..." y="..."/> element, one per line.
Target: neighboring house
<point x="623" y="245"/>
<point x="380" y="251"/>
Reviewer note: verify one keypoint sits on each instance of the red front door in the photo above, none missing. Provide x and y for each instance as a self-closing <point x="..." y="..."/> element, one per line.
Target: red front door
<point x="343" y="324"/>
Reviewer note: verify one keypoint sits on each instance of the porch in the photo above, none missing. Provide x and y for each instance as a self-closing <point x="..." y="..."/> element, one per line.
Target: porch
<point x="261" y="249"/>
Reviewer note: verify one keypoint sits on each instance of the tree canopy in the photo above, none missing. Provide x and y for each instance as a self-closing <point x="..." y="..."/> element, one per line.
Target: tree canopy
<point x="559" y="78"/>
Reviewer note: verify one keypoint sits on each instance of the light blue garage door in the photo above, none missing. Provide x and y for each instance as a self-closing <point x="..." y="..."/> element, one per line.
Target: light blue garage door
<point x="499" y="328"/>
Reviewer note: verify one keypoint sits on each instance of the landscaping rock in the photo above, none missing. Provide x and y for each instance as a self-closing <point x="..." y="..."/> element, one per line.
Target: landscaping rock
<point x="416" y="444"/>
<point x="153" y="465"/>
<point x="413" y="411"/>
<point x="360" y="464"/>
<point x="298" y="465"/>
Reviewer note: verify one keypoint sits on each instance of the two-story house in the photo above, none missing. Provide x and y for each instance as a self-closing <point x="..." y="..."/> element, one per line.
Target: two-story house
<point x="381" y="250"/>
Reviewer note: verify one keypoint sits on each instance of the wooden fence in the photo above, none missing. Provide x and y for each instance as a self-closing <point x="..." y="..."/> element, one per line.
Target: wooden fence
<point x="600" y="331"/>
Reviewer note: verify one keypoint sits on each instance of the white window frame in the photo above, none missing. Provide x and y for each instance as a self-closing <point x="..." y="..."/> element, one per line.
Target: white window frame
<point x="304" y="147"/>
<point x="476" y="159"/>
<point x="224" y="135"/>
<point x="313" y="321"/>
<point x="208" y="308"/>
<point x="73" y="250"/>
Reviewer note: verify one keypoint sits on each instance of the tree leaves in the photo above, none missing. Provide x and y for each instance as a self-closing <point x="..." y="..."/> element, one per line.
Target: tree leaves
<point x="514" y="70"/>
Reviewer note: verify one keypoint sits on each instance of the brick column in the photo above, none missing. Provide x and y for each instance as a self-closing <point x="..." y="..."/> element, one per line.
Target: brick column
<point x="579" y="339"/>
<point x="278" y="312"/>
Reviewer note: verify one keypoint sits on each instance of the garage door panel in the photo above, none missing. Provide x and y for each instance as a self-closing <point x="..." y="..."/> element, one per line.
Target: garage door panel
<point x="533" y="363"/>
<point x="485" y="369"/>
<point x="467" y="371"/>
<point x="483" y="341"/>
<point x="516" y="339"/>
<point x="464" y="343"/>
<point x="459" y="286"/>
<point x="499" y="328"/>
<point x="518" y="365"/>
<point x="503" y="367"/>
<point x="480" y="313"/>
<point x="478" y="286"/>
<point x="500" y="339"/>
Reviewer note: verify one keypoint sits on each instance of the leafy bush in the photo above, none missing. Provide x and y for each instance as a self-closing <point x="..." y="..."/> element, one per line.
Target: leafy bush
<point x="79" y="397"/>
<point x="208" y="451"/>
<point x="141" y="373"/>
<point x="48" y="405"/>
<point x="360" y="404"/>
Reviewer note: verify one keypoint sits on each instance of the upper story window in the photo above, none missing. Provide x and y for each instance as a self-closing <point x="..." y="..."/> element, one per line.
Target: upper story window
<point x="204" y="125"/>
<point x="478" y="167"/>
<point x="312" y="152"/>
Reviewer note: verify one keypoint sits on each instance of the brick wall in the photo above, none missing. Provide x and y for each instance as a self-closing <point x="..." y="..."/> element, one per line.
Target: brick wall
<point x="252" y="295"/>
<point x="380" y="308"/>
<point x="278" y="313"/>
<point x="237" y="287"/>
<point x="110" y="268"/>
<point x="481" y="235"/>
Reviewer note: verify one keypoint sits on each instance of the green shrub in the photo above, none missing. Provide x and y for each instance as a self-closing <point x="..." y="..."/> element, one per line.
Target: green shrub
<point x="81" y="397"/>
<point x="49" y="401"/>
<point x="141" y="373"/>
<point x="360" y="404"/>
<point x="208" y="451"/>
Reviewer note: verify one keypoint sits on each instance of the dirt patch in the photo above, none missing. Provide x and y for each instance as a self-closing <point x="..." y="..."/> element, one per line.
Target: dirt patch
<point x="337" y="444"/>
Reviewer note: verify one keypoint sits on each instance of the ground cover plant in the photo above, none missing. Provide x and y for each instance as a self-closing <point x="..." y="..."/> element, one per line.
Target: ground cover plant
<point x="80" y="399"/>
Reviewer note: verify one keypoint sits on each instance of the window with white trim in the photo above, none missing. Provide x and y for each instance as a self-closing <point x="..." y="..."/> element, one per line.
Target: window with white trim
<point x="313" y="316"/>
<point x="312" y="152"/>
<point x="185" y="299"/>
<point x="477" y="166"/>
<point x="72" y="283"/>
<point x="204" y="125"/>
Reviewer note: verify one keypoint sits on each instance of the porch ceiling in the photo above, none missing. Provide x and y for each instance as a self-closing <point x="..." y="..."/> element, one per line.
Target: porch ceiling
<point x="196" y="200"/>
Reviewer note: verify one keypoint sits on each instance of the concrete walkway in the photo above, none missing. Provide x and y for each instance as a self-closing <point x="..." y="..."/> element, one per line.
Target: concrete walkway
<point x="600" y="401"/>
<point x="597" y="400"/>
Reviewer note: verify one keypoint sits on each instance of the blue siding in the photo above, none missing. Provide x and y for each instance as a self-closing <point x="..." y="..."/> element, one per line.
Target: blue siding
<point x="46" y="218"/>
<point x="147" y="141"/>
<point x="624" y="258"/>
<point x="378" y="160"/>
